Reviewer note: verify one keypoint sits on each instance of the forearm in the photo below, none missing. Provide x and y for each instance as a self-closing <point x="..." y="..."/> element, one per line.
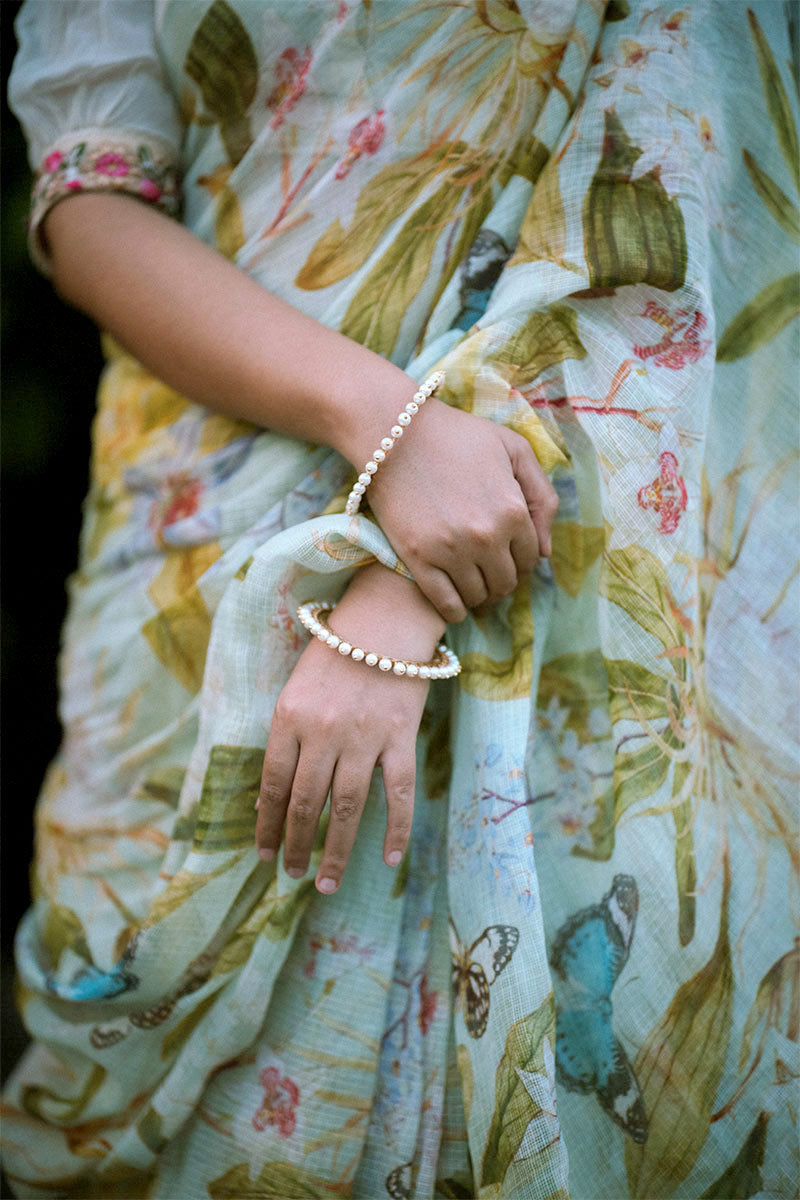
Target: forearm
<point x="387" y="612"/>
<point x="214" y="334"/>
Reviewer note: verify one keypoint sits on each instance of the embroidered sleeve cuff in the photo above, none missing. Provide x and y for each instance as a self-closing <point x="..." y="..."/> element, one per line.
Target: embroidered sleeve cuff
<point x="96" y="160"/>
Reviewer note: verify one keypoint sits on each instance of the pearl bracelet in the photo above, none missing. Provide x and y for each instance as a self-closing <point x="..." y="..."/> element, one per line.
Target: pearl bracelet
<point x="444" y="665"/>
<point x="403" y="420"/>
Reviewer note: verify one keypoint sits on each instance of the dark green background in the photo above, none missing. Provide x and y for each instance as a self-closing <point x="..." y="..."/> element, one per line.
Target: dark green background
<point x="50" y="363"/>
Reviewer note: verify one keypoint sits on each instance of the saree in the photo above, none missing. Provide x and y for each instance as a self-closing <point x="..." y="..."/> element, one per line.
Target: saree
<point x="584" y="978"/>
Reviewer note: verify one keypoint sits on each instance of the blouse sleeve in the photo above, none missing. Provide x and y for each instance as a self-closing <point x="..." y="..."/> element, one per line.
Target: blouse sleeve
<point x="90" y="92"/>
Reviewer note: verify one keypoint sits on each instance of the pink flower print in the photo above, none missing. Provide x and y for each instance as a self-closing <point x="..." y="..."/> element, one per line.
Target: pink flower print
<point x="281" y="1097"/>
<point x="111" y="164"/>
<point x="180" y="498"/>
<point x="366" y="137"/>
<point x="681" y="343"/>
<point x="666" y="494"/>
<point x="291" y="71"/>
<point x="53" y="160"/>
<point x="75" y="185"/>
<point x="149" y="190"/>
<point x="428" y="1003"/>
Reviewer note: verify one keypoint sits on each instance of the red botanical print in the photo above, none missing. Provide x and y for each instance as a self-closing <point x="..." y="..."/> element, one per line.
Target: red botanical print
<point x="180" y="498"/>
<point x="291" y="71"/>
<point x="681" y="343"/>
<point x="428" y="1002"/>
<point x="365" y="138"/>
<point x="281" y="1097"/>
<point x="666" y="494"/>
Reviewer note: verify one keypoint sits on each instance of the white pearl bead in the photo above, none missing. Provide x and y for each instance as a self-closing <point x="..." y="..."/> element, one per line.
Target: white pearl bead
<point x="356" y="654"/>
<point x="314" y="628"/>
<point x="397" y="431"/>
<point x="371" y="467"/>
<point x="425" y="672"/>
<point x="412" y="408"/>
<point x="420" y="397"/>
<point x="412" y="669"/>
<point x="359" y="489"/>
<point x="404" y="418"/>
<point x="323" y="634"/>
<point x="344" y="647"/>
<point x="333" y="640"/>
<point x="364" y="478"/>
<point x="379" y="455"/>
<point x="371" y="659"/>
<point x="387" y="443"/>
<point x="385" y="664"/>
<point x="399" y="668"/>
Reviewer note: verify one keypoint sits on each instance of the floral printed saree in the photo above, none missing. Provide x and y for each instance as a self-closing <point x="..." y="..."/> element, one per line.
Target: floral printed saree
<point x="584" y="979"/>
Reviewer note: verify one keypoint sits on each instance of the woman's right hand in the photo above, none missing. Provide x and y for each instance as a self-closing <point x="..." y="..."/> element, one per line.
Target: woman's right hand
<point x="466" y="506"/>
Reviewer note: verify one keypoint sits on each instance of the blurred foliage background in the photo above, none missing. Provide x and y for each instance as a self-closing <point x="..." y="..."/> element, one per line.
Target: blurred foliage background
<point x="51" y="360"/>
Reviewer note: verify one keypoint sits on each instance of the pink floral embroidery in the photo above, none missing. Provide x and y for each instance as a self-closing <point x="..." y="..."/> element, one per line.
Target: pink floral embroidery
<point x="74" y="185"/>
<point x="150" y="190"/>
<point x="53" y="161"/>
<point x="666" y="495"/>
<point x="681" y="343"/>
<point x="111" y="164"/>
<point x="365" y="138"/>
<point x="291" y="72"/>
<point x="428" y="1002"/>
<point x="281" y="1097"/>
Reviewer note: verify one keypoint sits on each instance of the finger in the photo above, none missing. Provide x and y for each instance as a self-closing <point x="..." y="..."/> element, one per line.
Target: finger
<point x="399" y="780"/>
<point x="540" y="495"/>
<point x="471" y="585"/>
<point x="441" y="591"/>
<point x="312" y="782"/>
<point x="525" y="551"/>
<point x="280" y="761"/>
<point x="501" y="575"/>
<point x="351" y="780"/>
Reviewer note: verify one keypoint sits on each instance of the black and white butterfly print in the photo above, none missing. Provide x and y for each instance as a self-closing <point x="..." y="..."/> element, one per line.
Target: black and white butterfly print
<point x="475" y="970"/>
<point x="399" y="1181"/>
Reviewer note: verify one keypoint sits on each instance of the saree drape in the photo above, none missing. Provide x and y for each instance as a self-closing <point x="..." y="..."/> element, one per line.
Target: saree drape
<point x="584" y="979"/>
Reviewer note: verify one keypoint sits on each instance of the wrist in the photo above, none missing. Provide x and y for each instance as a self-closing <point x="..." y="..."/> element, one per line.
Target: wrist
<point x="389" y="612"/>
<point x="363" y="420"/>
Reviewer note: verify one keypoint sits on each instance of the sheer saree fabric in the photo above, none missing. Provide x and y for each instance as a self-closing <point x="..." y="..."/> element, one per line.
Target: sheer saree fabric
<point x="583" y="979"/>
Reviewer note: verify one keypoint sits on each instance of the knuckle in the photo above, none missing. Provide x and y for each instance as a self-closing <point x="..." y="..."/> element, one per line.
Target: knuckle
<point x="401" y="792"/>
<point x="302" y="812"/>
<point x="288" y="710"/>
<point x="272" y="795"/>
<point x="345" y="807"/>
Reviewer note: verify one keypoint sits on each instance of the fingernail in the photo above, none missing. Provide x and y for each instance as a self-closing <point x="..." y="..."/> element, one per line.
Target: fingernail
<point x="266" y="853"/>
<point x="327" y="885"/>
<point x="394" y="858"/>
<point x="296" y="872"/>
<point x="258" y="801"/>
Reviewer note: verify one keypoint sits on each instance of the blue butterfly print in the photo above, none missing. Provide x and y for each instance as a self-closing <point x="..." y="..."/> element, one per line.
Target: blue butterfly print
<point x="588" y="954"/>
<point x="90" y="983"/>
<point x="485" y="259"/>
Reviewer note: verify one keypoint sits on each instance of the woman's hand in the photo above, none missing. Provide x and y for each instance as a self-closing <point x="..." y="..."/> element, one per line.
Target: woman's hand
<point x="467" y="507"/>
<point x="336" y="720"/>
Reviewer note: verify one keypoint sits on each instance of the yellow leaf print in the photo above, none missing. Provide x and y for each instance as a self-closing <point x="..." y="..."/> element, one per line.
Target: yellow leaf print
<point x="178" y="636"/>
<point x="575" y="549"/>
<point x="510" y="678"/>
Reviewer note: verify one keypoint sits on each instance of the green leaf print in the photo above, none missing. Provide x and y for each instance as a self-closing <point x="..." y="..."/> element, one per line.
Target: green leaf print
<point x="633" y="231"/>
<point x="679" y="1068"/>
<point x="579" y="682"/>
<point x="62" y="929"/>
<point x="514" y="1107"/>
<point x="177" y="1038"/>
<point x="379" y="307"/>
<point x="49" y="1106"/>
<point x="277" y="1181"/>
<point x="636" y="693"/>
<point x="178" y="636"/>
<point x="576" y="548"/>
<point x="781" y="207"/>
<point x="222" y="61"/>
<point x="150" y="1130"/>
<point x="778" y="106"/>
<point x="546" y="338"/>
<point x="637" y="775"/>
<point x="340" y="252"/>
<point x="743" y="1177"/>
<point x="226" y="817"/>
<point x="685" y="865"/>
<point x="544" y="229"/>
<point x="762" y="319"/>
<point x="635" y="579"/>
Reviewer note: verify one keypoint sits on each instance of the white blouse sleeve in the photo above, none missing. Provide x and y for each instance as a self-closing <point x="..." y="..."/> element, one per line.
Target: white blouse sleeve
<point x="89" y="90"/>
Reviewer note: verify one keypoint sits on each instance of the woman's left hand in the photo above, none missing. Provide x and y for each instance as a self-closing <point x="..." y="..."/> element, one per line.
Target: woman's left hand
<point x="337" y="720"/>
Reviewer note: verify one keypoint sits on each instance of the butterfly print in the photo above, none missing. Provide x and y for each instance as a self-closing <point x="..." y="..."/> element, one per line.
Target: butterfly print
<point x="399" y="1181"/>
<point x="588" y="954"/>
<point x="475" y="969"/>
